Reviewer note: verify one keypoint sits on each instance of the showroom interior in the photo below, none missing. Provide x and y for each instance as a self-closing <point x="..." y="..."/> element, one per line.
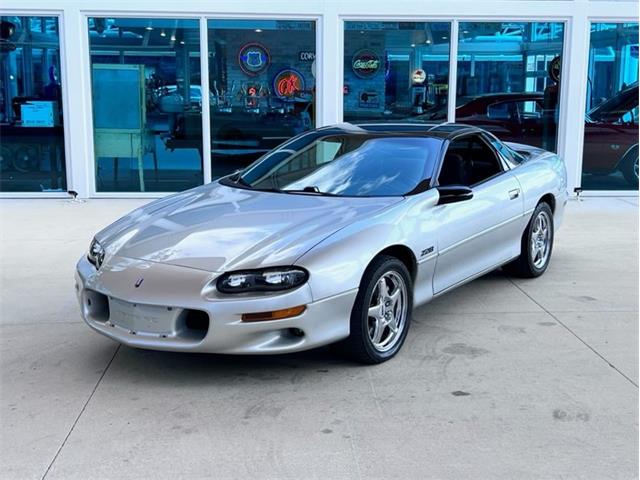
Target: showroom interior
<point x="139" y="100"/>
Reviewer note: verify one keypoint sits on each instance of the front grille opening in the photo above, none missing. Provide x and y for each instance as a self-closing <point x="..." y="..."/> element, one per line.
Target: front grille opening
<point x="295" y="332"/>
<point x="193" y="324"/>
<point x="96" y="306"/>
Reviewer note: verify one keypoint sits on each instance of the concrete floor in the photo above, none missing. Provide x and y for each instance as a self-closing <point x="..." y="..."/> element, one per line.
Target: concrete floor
<point x="499" y="379"/>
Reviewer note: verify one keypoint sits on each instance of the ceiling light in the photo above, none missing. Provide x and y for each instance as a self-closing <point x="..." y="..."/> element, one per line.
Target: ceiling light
<point x="427" y="41"/>
<point x="149" y="28"/>
<point x="258" y="30"/>
<point x="413" y="45"/>
<point x="181" y="42"/>
<point x="444" y="38"/>
<point x="173" y="38"/>
<point x="162" y="34"/>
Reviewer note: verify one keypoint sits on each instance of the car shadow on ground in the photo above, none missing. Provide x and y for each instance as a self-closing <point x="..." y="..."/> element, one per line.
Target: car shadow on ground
<point x="139" y="366"/>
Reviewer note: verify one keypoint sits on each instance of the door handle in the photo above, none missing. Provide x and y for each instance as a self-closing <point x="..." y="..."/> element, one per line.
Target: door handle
<point x="513" y="194"/>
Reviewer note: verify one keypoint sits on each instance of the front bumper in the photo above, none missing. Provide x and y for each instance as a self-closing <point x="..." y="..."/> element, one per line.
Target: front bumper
<point x="155" y="314"/>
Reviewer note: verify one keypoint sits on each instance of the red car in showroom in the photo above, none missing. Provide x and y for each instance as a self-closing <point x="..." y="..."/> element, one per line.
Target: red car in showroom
<point x="611" y="128"/>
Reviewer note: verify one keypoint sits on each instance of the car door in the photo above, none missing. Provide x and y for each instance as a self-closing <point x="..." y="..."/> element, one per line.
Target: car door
<point x="479" y="234"/>
<point x="502" y="120"/>
<point x="606" y="142"/>
<point x="532" y="122"/>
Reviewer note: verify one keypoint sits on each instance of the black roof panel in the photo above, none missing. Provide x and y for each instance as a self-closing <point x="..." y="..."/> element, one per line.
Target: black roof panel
<point x="441" y="130"/>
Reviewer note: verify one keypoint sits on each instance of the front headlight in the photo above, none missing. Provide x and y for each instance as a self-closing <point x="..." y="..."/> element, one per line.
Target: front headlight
<point x="267" y="280"/>
<point x="96" y="253"/>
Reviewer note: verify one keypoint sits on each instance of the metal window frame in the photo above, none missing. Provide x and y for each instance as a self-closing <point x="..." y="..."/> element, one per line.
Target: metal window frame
<point x="59" y="14"/>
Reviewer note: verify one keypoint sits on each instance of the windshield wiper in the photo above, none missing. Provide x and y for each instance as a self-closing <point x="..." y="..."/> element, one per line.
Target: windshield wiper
<point x="241" y="181"/>
<point x="312" y="189"/>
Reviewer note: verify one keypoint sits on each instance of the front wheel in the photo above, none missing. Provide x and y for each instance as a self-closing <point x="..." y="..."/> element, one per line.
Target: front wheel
<point x="382" y="311"/>
<point x="536" y="245"/>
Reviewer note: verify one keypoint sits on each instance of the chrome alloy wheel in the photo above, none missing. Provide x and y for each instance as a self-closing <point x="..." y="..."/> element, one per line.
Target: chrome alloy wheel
<point x="635" y="168"/>
<point x="540" y="240"/>
<point x="387" y="313"/>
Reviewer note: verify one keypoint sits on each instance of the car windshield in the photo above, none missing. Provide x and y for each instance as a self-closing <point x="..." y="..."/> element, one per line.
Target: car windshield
<point x="359" y="165"/>
<point x="439" y="112"/>
<point x="616" y="108"/>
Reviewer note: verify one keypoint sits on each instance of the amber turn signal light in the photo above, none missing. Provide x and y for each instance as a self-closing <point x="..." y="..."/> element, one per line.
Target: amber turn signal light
<point x="275" y="315"/>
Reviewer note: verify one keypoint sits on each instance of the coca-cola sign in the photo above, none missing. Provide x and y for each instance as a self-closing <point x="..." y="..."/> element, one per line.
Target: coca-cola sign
<point x="365" y="63"/>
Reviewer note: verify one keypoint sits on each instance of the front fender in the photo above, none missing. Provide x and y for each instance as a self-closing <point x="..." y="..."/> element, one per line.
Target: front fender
<point x="336" y="264"/>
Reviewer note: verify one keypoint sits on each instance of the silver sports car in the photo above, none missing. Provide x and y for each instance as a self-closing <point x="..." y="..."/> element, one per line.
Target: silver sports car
<point x="333" y="236"/>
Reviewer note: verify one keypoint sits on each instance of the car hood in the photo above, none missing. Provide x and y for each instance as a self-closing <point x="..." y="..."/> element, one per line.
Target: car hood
<point x="221" y="228"/>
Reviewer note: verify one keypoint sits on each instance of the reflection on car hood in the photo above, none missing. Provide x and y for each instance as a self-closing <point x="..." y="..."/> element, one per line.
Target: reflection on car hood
<point x="220" y="228"/>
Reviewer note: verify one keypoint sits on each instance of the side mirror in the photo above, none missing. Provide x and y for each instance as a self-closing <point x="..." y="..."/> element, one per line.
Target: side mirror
<point x="454" y="193"/>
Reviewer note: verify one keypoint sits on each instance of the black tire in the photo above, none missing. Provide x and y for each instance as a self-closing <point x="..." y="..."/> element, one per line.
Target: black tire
<point x="359" y="344"/>
<point x="525" y="265"/>
<point x="629" y="167"/>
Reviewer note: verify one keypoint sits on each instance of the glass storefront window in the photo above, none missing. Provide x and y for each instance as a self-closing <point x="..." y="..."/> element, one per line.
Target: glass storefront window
<point x="509" y="79"/>
<point x="32" y="156"/>
<point x="147" y="104"/>
<point x="610" y="154"/>
<point x="263" y="87"/>
<point x="396" y="71"/>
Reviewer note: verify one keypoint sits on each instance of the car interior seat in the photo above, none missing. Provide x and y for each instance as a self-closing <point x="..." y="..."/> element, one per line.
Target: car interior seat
<point x="456" y="170"/>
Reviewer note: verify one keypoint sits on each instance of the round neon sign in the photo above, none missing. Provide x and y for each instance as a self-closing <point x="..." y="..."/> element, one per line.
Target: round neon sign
<point x="253" y="58"/>
<point x="288" y="82"/>
<point x="365" y="63"/>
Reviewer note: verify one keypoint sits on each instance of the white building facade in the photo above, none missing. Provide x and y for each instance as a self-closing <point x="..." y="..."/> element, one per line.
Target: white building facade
<point x="143" y="98"/>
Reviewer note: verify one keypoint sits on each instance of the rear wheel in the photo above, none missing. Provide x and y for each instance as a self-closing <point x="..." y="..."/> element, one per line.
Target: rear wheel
<point x="629" y="167"/>
<point x="381" y="313"/>
<point x="536" y="245"/>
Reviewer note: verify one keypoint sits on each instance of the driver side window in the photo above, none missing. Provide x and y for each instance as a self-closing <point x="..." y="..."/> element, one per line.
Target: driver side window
<point x="502" y="111"/>
<point x="468" y="161"/>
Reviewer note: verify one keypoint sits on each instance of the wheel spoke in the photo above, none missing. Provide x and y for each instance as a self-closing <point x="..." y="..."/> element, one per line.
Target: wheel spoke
<point x="393" y="324"/>
<point x="383" y="289"/>
<point x="375" y="311"/>
<point x="378" y="329"/>
<point x="394" y="297"/>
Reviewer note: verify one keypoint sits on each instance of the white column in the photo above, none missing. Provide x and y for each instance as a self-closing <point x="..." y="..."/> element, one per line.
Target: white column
<point x="78" y="126"/>
<point x="572" y="95"/>
<point x="206" y="115"/>
<point x="329" y="69"/>
<point x="453" y="72"/>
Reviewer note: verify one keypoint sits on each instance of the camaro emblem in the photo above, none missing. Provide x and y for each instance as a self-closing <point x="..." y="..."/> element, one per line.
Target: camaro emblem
<point x="139" y="282"/>
<point x="426" y="251"/>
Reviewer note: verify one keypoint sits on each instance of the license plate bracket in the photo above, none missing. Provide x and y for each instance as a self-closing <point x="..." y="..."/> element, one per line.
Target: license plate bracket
<point x="140" y="318"/>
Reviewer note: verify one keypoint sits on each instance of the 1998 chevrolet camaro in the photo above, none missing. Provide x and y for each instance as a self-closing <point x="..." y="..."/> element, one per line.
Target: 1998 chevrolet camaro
<point x="333" y="236"/>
